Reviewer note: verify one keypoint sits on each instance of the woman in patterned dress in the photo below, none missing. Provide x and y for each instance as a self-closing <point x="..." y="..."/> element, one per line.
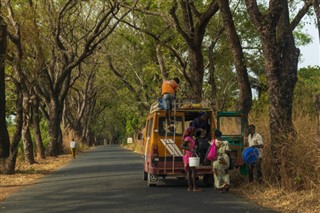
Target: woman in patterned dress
<point x="221" y="164"/>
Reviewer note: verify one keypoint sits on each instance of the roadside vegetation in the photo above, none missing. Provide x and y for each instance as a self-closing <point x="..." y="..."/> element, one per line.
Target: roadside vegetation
<point x="303" y="166"/>
<point x="90" y="70"/>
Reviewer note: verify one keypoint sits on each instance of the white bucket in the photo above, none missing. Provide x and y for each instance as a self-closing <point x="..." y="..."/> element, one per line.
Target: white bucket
<point x="194" y="161"/>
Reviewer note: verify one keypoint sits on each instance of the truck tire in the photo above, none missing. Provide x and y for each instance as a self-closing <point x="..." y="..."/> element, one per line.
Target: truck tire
<point x="145" y="176"/>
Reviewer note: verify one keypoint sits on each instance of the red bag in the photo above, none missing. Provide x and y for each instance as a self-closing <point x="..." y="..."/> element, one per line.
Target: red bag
<point x="212" y="152"/>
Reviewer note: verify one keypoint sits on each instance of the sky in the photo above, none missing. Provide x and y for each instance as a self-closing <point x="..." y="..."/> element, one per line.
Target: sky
<point x="311" y="52"/>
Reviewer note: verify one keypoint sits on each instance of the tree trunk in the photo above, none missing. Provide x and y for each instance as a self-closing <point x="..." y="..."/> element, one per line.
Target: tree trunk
<point x="26" y="136"/>
<point x="212" y="81"/>
<point x="161" y="62"/>
<point x="36" y="129"/>
<point x="4" y="136"/>
<point x="316" y="6"/>
<point x="17" y="134"/>
<point x="60" y="139"/>
<point x="54" y="130"/>
<point x="245" y="99"/>
<point x="27" y="144"/>
<point x="281" y="65"/>
<point x="196" y="72"/>
<point x="192" y="28"/>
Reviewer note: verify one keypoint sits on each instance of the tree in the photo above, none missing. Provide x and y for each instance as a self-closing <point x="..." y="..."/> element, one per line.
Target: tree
<point x="4" y="136"/>
<point x="11" y="164"/>
<point x="192" y="27"/>
<point x="21" y="82"/>
<point x="275" y="28"/>
<point x="245" y="96"/>
<point x="75" y="35"/>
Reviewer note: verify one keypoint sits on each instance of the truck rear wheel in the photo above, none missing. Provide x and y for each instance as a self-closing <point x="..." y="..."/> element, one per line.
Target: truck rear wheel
<point x="145" y="176"/>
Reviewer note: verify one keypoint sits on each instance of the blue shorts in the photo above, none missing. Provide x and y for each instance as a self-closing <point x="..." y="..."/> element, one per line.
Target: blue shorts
<point x="167" y="100"/>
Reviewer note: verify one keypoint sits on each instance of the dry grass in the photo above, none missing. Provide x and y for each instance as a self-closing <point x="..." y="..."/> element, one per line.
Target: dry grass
<point x="28" y="174"/>
<point x="306" y="201"/>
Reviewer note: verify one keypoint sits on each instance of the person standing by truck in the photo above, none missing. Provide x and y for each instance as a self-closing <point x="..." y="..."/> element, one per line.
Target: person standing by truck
<point x="203" y="134"/>
<point x="169" y="90"/>
<point x="255" y="140"/>
<point x="189" y="145"/>
<point x="221" y="164"/>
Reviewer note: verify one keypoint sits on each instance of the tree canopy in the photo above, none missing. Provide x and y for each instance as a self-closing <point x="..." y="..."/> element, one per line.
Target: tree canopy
<point x="96" y="66"/>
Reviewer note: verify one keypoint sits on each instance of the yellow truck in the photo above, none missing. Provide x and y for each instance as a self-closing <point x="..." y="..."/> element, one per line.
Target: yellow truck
<point x="163" y="153"/>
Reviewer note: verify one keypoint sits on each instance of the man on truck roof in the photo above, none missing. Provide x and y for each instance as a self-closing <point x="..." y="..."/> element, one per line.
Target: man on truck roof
<point x="169" y="90"/>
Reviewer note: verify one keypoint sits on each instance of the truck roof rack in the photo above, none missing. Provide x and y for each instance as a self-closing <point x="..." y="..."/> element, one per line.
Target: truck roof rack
<point x="182" y="104"/>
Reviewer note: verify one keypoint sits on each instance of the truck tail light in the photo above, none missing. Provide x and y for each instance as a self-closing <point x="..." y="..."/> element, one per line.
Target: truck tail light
<point x="154" y="150"/>
<point x="154" y="158"/>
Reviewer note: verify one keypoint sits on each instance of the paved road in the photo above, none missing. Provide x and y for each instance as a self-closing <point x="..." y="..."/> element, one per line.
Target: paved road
<point x="109" y="179"/>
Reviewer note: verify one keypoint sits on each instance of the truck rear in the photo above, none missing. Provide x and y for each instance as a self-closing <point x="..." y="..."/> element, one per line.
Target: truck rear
<point x="163" y="153"/>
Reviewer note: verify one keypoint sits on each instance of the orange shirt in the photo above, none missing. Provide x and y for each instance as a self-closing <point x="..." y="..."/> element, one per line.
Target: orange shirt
<point x="169" y="86"/>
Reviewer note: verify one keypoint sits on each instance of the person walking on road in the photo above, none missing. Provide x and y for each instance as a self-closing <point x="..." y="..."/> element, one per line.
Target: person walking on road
<point x="169" y="90"/>
<point x="189" y="145"/>
<point x="255" y="140"/>
<point x="221" y="164"/>
<point x="73" y="146"/>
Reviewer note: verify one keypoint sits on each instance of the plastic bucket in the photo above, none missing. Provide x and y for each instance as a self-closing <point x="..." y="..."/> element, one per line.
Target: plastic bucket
<point x="194" y="161"/>
<point x="250" y="155"/>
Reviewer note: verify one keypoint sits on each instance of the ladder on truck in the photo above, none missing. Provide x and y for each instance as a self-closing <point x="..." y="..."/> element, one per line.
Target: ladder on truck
<point x="168" y="143"/>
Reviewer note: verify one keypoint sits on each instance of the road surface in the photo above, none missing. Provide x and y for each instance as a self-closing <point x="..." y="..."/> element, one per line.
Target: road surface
<point x="109" y="179"/>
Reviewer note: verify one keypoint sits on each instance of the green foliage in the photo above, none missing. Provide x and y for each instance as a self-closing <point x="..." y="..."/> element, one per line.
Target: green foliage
<point x="133" y="54"/>
<point x="44" y="128"/>
<point x="11" y="129"/>
<point x="133" y="123"/>
<point x="302" y="38"/>
<point x="10" y="93"/>
<point x="306" y="88"/>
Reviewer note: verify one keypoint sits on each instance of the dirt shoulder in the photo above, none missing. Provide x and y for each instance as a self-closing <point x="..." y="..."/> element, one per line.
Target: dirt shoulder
<point x="29" y="174"/>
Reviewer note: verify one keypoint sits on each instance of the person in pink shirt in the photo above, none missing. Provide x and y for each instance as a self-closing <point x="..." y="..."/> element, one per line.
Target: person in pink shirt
<point x="189" y="146"/>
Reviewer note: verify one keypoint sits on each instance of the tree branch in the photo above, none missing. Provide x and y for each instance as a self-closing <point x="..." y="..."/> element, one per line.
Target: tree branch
<point x="316" y="7"/>
<point x="302" y="12"/>
<point x="121" y="77"/>
<point x="254" y="13"/>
